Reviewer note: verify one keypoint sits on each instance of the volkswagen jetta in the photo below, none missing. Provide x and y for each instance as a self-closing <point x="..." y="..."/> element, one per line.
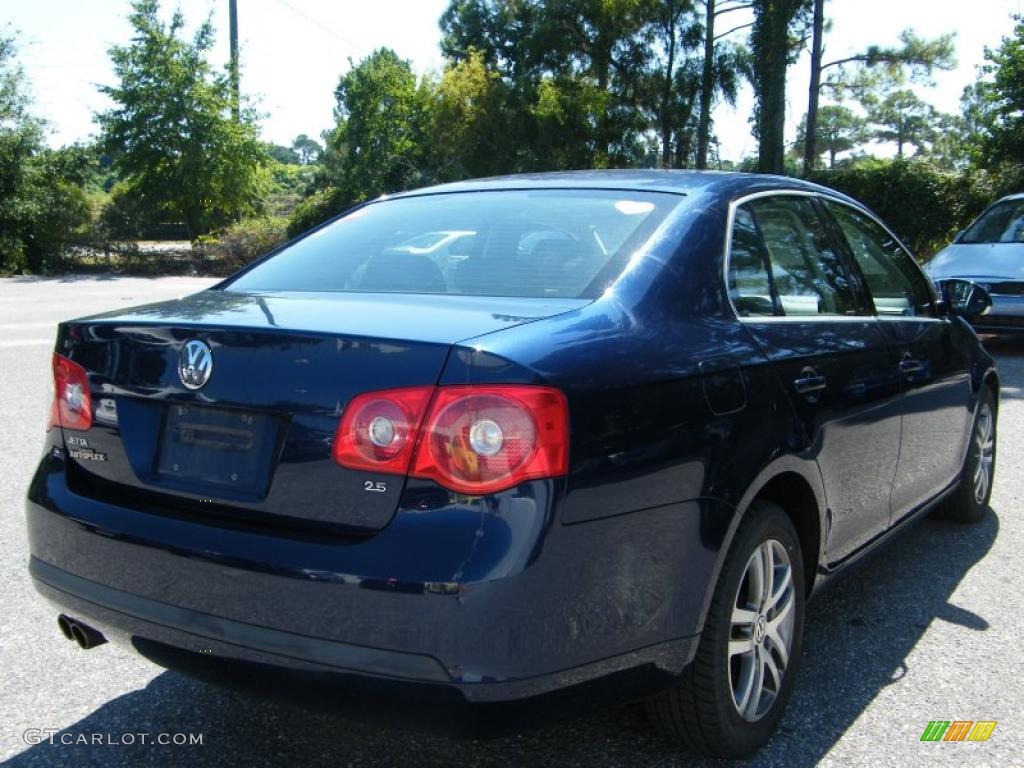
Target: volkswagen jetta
<point x="617" y="430"/>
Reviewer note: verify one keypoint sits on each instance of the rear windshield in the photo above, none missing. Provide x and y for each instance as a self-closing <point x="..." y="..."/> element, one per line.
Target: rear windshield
<point x="1002" y="223"/>
<point x="532" y="243"/>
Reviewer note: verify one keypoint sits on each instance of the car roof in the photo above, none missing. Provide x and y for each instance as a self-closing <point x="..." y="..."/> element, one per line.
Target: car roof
<point x="727" y="184"/>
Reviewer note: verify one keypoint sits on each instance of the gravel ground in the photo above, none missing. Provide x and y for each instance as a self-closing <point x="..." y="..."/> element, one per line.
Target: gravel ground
<point x="930" y="628"/>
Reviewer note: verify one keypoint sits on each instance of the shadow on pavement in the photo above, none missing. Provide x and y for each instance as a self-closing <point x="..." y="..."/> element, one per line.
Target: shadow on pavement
<point x="859" y="635"/>
<point x="69" y="278"/>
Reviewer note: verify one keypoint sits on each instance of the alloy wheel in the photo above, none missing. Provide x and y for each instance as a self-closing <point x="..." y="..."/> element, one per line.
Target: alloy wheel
<point x="761" y="636"/>
<point x="983" y="448"/>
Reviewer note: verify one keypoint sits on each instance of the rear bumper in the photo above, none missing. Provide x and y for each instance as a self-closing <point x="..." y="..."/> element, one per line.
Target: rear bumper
<point x="491" y="601"/>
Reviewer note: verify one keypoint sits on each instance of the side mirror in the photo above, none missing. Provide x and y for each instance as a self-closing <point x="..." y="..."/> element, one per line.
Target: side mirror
<point x="964" y="298"/>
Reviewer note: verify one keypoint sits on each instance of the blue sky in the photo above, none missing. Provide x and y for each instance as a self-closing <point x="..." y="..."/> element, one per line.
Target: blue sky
<point x="293" y="52"/>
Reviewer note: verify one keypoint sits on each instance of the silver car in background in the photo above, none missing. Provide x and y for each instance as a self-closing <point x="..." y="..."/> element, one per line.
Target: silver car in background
<point x="990" y="253"/>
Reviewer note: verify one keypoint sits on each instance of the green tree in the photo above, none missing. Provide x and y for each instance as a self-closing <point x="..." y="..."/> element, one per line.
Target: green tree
<point x="282" y="154"/>
<point x="875" y="69"/>
<point x="722" y="64"/>
<point x="605" y="43"/>
<point x="776" y="35"/>
<point x="20" y="138"/>
<point x="680" y="97"/>
<point x="171" y="132"/>
<point x="307" y="149"/>
<point x="379" y="144"/>
<point x="994" y="112"/>
<point x="839" y="128"/>
<point x="467" y="122"/>
<point x="902" y="118"/>
<point x="44" y="197"/>
<point x="576" y="73"/>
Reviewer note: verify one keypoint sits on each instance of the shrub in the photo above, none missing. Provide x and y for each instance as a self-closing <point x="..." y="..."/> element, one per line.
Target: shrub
<point x="45" y="208"/>
<point x="12" y="254"/>
<point x="236" y="245"/>
<point x="924" y="205"/>
<point x="316" y="209"/>
<point x="123" y="217"/>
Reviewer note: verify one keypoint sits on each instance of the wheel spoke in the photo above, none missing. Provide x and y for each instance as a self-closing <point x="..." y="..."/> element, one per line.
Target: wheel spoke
<point x="748" y="673"/>
<point x="743" y="617"/>
<point x="780" y="590"/>
<point x="778" y="644"/>
<point x="769" y="575"/>
<point x="746" y="645"/>
<point x="750" y="711"/>
<point x="756" y="570"/>
<point x="774" y="631"/>
<point x="774" y="671"/>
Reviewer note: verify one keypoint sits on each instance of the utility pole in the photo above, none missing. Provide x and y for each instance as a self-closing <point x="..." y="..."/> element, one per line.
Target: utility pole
<point x="236" y="99"/>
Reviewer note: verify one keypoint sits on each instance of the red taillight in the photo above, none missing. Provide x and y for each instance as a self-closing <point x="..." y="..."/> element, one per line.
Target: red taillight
<point x="481" y="440"/>
<point x="474" y="439"/>
<point x="378" y="430"/>
<point x="72" y="404"/>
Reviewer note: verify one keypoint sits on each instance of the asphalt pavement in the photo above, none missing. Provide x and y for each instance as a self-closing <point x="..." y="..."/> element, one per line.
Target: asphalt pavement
<point x="930" y="628"/>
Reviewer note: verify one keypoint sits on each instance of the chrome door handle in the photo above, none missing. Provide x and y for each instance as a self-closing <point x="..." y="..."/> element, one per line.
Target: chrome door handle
<point x="909" y="365"/>
<point x="809" y="383"/>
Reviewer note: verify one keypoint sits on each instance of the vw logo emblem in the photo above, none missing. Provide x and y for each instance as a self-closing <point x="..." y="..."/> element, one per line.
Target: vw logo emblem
<point x="195" y="363"/>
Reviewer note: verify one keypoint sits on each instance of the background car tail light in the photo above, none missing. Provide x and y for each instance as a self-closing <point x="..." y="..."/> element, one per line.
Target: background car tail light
<point x="72" y="403"/>
<point x="472" y="439"/>
<point x="378" y="430"/>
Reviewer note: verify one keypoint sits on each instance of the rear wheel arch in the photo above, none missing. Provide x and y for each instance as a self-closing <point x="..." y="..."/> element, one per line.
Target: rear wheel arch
<point x="794" y="495"/>
<point x="991" y="380"/>
<point x="794" y="484"/>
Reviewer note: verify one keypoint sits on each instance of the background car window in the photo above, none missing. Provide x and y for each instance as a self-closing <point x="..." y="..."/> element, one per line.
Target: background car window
<point x="749" y="281"/>
<point x="531" y="243"/>
<point x="1002" y="223"/>
<point x="807" y="272"/>
<point x="897" y="285"/>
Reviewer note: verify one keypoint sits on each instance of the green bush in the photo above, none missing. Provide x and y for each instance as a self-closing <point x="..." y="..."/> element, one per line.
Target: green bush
<point x="123" y="217"/>
<point x="316" y="209"/>
<point x="45" y="210"/>
<point x="287" y="188"/>
<point x="924" y="205"/>
<point x="236" y="245"/>
<point x="12" y="255"/>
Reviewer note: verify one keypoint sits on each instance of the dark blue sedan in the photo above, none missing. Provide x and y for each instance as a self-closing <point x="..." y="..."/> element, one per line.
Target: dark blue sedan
<point x="513" y="439"/>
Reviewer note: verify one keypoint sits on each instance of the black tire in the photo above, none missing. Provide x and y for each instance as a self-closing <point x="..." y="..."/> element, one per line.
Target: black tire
<point x="700" y="711"/>
<point x="965" y="504"/>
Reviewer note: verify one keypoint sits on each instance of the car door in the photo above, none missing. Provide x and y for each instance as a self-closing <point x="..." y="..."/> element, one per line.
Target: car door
<point x="934" y="360"/>
<point x="791" y="288"/>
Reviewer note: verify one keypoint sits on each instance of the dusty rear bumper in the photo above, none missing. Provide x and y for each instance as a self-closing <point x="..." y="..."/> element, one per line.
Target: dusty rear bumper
<point x="519" y="608"/>
<point x="170" y="635"/>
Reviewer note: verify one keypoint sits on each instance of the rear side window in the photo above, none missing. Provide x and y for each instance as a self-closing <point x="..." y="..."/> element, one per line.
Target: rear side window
<point x="750" y="285"/>
<point x="897" y="285"/>
<point x="805" y="271"/>
<point x="531" y="243"/>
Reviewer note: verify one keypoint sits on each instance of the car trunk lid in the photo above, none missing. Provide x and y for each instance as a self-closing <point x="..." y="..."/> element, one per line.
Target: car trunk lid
<point x="254" y="441"/>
